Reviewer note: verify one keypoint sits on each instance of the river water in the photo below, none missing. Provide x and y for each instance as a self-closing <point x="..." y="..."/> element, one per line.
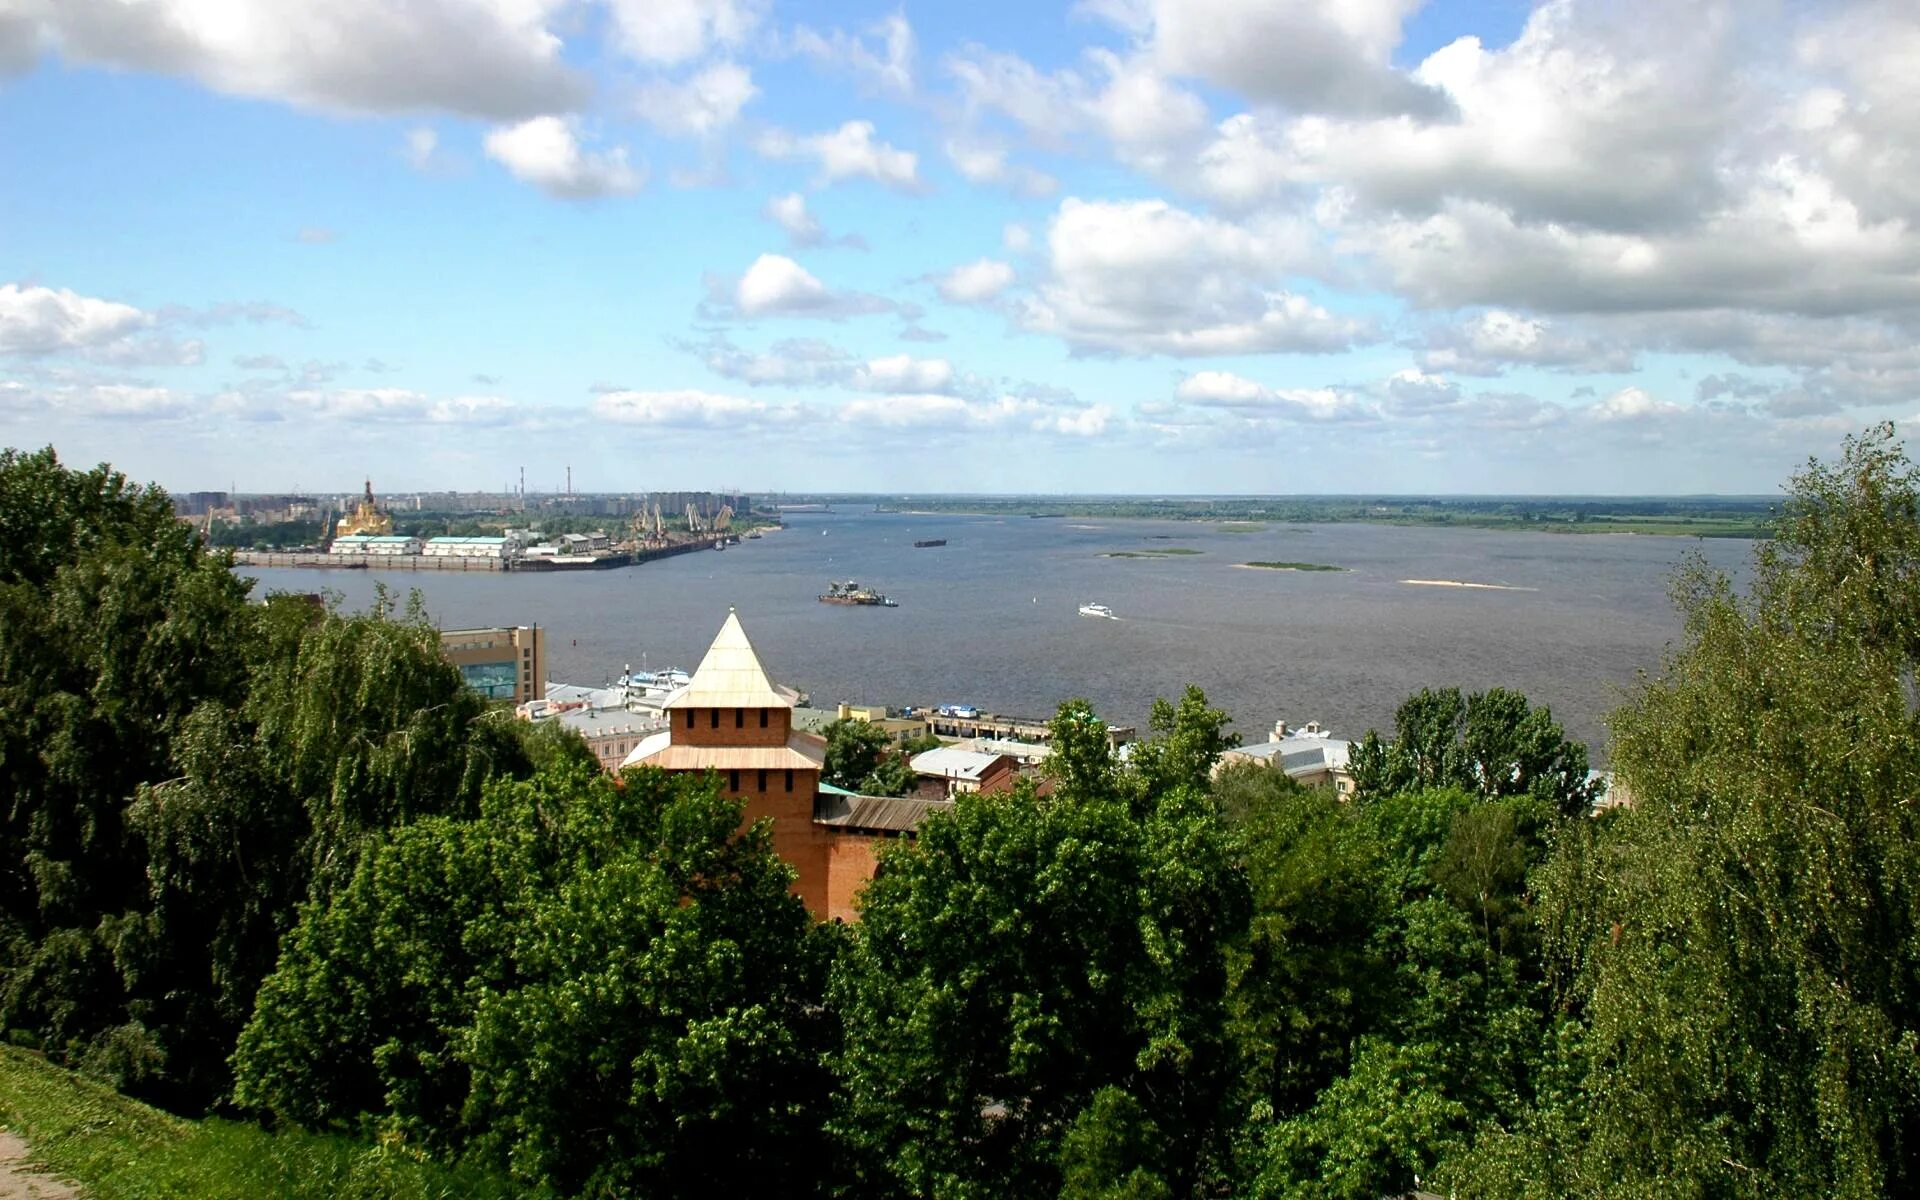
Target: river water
<point x="991" y="618"/>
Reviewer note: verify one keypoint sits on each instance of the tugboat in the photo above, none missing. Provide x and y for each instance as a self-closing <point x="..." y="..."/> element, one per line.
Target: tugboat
<point x="851" y="592"/>
<point x="1097" y="610"/>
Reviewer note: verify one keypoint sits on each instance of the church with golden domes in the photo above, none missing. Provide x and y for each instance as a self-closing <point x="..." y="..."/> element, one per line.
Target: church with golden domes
<point x="367" y="519"/>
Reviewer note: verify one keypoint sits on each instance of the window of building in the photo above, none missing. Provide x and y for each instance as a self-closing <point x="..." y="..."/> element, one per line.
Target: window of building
<point x="789" y="778"/>
<point x="763" y="782"/>
<point x="713" y="718"/>
<point x="689" y="718"/>
<point x="763" y="718"/>
<point x="739" y="718"/>
<point x="733" y="781"/>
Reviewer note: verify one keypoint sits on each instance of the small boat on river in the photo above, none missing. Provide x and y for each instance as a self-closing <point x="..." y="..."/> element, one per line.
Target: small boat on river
<point x="1097" y="610"/>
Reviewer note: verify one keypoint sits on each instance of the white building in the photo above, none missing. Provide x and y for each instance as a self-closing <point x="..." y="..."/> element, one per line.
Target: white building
<point x="365" y="545"/>
<point x="1309" y="756"/>
<point x="467" y="547"/>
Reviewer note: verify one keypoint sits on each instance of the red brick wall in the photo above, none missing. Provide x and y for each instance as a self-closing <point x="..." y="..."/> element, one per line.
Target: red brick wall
<point x="747" y="732"/>
<point x="832" y="865"/>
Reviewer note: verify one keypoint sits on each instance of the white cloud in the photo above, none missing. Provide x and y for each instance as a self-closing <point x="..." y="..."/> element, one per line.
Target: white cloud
<point x="791" y="362"/>
<point x="1143" y="277"/>
<point x="1300" y="54"/>
<point x="849" y="152"/>
<point x="1143" y="114"/>
<point x="497" y="59"/>
<point x="985" y="162"/>
<point x="908" y="412"/>
<point x="975" y="282"/>
<point x="1016" y="237"/>
<point x="775" y="285"/>
<point x="885" y="64"/>
<point x="677" y="409"/>
<point x="1633" y="404"/>
<point x="1492" y="341"/>
<point x="1245" y="397"/>
<point x="423" y="148"/>
<point x="701" y="106"/>
<point x="404" y="406"/>
<point x="939" y="413"/>
<point x="904" y="373"/>
<point x="546" y="152"/>
<point x="668" y="32"/>
<point x="790" y="213"/>
<point x="40" y="320"/>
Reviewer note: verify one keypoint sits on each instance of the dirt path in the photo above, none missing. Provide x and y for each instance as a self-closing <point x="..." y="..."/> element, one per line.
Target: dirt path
<point x="19" y="1180"/>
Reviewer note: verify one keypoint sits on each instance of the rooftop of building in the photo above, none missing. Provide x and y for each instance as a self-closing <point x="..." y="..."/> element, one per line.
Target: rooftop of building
<point x="467" y="541"/>
<point x="876" y="814"/>
<point x="730" y="676"/>
<point x="951" y="762"/>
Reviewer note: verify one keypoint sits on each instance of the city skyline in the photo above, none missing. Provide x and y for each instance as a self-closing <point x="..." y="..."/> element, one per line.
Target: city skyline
<point x="1118" y="247"/>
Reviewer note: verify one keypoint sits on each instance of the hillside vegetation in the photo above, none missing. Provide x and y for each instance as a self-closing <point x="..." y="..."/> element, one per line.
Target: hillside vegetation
<point x="276" y="862"/>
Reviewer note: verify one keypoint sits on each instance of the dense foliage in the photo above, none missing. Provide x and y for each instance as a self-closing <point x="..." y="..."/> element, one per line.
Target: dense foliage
<point x="1139" y="976"/>
<point x="181" y="768"/>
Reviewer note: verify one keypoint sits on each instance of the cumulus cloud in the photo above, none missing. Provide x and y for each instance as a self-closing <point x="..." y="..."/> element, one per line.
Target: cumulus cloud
<point x="976" y="282"/>
<point x="904" y="373"/>
<point x="790" y="212"/>
<point x="803" y="362"/>
<point x="497" y="59"/>
<point x="38" y="322"/>
<point x="882" y="57"/>
<point x="98" y="400"/>
<point x="849" y="152"/>
<point x="1245" y="397"/>
<point x="788" y="363"/>
<point x="1144" y="115"/>
<point x="985" y="162"/>
<point x="1144" y="277"/>
<point x="668" y="32"/>
<point x="546" y="152"/>
<point x="1299" y="54"/>
<point x="685" y="409"/>
<point x="940" y="413"/>
<point x="41" y="320"/>
<point x="777" y="286"/>
<point x="700" y="106"/>
<point x="404" y="406"/>
<point x="1492" y="341"/>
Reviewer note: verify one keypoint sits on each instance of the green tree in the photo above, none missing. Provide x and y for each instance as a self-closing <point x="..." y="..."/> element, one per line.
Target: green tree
<point x="862" y="758"/>
<point x="1740" y="948"/>
<point x="351" y="726"/>
<point x="1184" y="744"/>
<point x="115" y="627"/>
<point x="1493" y="743"/>
<point x="1019" y="957"/>
<point x="604" y="986"/>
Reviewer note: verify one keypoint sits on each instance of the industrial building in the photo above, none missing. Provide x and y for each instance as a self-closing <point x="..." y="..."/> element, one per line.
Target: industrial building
<point x="369" y="545"/>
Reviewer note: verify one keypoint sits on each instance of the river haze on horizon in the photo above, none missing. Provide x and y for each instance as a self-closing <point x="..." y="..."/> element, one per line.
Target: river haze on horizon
<point x="992" y="619"/>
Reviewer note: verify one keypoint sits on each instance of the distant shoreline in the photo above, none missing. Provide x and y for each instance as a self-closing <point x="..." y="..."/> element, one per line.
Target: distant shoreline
<point x="1701" y="518"/>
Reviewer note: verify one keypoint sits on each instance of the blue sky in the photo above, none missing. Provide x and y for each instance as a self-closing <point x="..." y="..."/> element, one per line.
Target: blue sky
<point x="1118" y="246"/>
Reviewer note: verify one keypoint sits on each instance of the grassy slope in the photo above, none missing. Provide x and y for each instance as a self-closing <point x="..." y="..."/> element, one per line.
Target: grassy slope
<point x="121" y="1149"/>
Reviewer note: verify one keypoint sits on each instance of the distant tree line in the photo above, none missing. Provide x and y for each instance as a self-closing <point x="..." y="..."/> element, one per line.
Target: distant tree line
<point x="275" y="859"/>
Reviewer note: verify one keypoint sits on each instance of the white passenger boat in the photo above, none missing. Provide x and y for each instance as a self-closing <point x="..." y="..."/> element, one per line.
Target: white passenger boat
<point x="1097" y="610"/>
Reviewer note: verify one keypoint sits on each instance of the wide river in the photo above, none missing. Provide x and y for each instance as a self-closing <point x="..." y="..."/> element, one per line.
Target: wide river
<point x="992" y="619"/>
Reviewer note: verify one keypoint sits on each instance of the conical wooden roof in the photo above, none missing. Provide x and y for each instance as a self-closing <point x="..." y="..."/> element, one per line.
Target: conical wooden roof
<point x="730" y="676"/>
